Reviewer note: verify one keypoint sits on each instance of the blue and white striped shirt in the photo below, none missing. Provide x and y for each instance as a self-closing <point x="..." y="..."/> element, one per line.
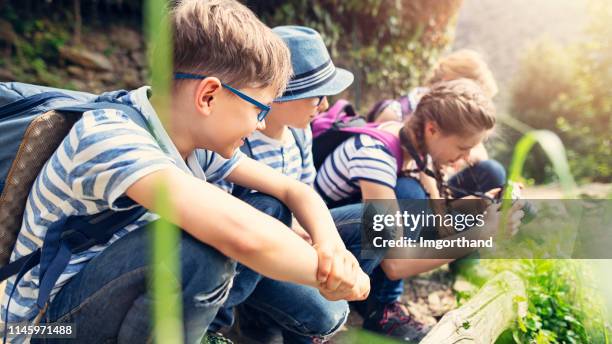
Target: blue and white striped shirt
<point x="361" y="157"/>
<point x="283" y="156"/>
<point x="102" y="156"/>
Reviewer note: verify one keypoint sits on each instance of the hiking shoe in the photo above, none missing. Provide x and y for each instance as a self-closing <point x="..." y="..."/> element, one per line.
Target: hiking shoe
<point x="393" y="320"/>
<point x="215" y="338"/>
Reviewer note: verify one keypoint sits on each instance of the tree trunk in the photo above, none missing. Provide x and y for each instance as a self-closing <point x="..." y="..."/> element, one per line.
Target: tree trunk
<point x="485" y="316"/>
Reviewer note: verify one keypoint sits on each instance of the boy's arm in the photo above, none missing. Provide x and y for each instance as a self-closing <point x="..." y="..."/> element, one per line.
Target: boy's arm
<point x="307" y="206"/>
<point x="234" y="228"/>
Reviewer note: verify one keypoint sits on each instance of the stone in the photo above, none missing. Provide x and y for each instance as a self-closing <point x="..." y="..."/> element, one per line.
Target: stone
<point x="126" y="38"/>
<point x="75" y="71"/>
<point x="85" y="58"/>
<point x="139" y="58"/>
<point x="6" y="75"/>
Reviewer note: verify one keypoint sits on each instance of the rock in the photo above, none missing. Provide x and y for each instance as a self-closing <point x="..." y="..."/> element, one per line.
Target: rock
<point x="464" y="286"/>
<point x="75" y="71"/>
<point x="106" y="77"/>
<point x="6" y="75"/>
<point x="433" y="299"/>
<point x="126" y="38"/>
<point x="131" y="78"/>
<point x="139" y="58"/>
<point x="86" y="58"/>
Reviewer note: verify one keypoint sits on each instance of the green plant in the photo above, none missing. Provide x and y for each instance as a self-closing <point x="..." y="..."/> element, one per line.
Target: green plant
<point x="563" y="307"/>
<point x="165" y="279"/>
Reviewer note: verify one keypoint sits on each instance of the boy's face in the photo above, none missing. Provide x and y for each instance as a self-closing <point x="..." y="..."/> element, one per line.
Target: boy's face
<point x="228" y="119"/>
<point x="297" y="113"/>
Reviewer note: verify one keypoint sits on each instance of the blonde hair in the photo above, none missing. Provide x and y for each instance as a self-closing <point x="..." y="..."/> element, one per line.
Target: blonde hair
<point x="458" y="107"/>
<point x="467" y="64"/>
<point x="223" y="38"/>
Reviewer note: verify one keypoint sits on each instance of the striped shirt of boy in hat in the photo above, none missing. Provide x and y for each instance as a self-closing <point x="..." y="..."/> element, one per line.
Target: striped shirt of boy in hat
<point x="285" y="144"/>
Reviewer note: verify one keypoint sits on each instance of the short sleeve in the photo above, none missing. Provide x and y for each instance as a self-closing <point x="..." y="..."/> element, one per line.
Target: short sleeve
<point x="217" y="167"/>
<point x="374" y="164"/>
<point x="108" y="152"/>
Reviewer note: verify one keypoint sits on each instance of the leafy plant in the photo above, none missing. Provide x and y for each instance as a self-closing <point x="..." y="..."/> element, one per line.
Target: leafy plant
<point x="563" y="307"/>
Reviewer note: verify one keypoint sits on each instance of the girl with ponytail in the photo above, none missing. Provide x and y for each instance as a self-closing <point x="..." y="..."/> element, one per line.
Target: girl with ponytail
<point x="451" y="118"/>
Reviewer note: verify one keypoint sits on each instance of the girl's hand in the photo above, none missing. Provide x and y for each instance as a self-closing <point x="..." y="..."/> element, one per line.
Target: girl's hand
<point x="430" y="185"/>
<point x="493" y="214"/>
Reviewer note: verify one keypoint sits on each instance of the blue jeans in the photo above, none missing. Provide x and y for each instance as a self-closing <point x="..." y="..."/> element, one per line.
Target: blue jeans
<point x="483" y="176"/>
<point x="109" y="300"/>
<point x="301" y="311"/>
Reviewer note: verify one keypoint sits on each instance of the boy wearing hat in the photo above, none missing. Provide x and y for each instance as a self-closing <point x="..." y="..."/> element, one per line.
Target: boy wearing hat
<point x="285" y="144"/>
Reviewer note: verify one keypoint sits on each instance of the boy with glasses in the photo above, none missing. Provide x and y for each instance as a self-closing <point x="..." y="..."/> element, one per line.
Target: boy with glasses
<point x="107" y="161"/>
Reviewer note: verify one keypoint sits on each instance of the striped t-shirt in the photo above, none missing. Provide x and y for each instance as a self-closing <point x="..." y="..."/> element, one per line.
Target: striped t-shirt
<point x="361" y="157"/>
<point x="283" y="156"/>
<point x="102" y="156"/>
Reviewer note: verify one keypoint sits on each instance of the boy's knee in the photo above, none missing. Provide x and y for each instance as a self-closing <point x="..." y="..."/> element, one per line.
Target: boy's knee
<point x="207" y="274"/>
<point x="328" y="317"/>
<point x="270" y="206"/>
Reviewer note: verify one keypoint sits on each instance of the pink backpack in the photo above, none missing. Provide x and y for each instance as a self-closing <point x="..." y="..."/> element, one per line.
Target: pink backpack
<point x="338" y="124"/>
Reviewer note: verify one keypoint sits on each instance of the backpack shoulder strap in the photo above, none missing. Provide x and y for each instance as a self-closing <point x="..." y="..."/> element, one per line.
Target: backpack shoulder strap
<point x="300" y="140"/>
<point x="130" y="111"/>
<point x="390" y="141"/>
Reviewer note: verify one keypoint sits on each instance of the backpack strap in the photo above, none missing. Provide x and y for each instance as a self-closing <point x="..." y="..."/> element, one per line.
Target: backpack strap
<point x="389" y="140"/>
<point x="300" y="140"/>
<point x="341" y="111"/>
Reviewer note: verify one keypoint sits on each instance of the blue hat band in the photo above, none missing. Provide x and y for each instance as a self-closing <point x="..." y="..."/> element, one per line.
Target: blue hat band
<point x="312" y="79"/>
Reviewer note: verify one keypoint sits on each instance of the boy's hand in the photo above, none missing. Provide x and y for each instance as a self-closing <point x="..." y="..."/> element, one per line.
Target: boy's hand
<point x="359" y="291"/>
<point x="339" y="273"/>
<point x="300" y="231"/>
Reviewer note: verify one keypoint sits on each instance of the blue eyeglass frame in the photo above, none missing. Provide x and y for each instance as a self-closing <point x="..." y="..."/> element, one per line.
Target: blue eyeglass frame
<point x="265" y="109"/>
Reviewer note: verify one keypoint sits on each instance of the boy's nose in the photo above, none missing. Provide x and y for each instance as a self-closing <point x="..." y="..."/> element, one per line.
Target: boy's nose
<point x="324" y="105"/>
<point x="261" y="125"/>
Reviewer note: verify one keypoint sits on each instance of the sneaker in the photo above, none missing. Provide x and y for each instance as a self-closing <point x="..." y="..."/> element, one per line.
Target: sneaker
<point x="393" y="320"/>
<point x="215" y="338"/>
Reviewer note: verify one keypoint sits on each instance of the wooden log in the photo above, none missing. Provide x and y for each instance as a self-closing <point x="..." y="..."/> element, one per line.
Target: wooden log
<point x="485" y="316"/>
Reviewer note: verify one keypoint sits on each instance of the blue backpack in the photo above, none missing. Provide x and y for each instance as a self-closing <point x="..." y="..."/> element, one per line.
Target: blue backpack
<point x="33" y="121"/>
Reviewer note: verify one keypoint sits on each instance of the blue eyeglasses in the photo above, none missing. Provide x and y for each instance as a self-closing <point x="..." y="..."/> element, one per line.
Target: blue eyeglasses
<point x="265" y="109"/>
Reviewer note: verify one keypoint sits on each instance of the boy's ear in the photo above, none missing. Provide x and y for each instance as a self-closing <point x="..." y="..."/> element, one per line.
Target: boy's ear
<point x="205" y="93"/>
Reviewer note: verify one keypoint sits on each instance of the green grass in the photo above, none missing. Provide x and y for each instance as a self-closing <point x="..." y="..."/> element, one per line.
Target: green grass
<point x="165" y="279"/>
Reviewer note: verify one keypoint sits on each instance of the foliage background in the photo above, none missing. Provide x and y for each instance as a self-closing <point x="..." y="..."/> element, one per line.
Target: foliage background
<point x="565" y="88"/>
